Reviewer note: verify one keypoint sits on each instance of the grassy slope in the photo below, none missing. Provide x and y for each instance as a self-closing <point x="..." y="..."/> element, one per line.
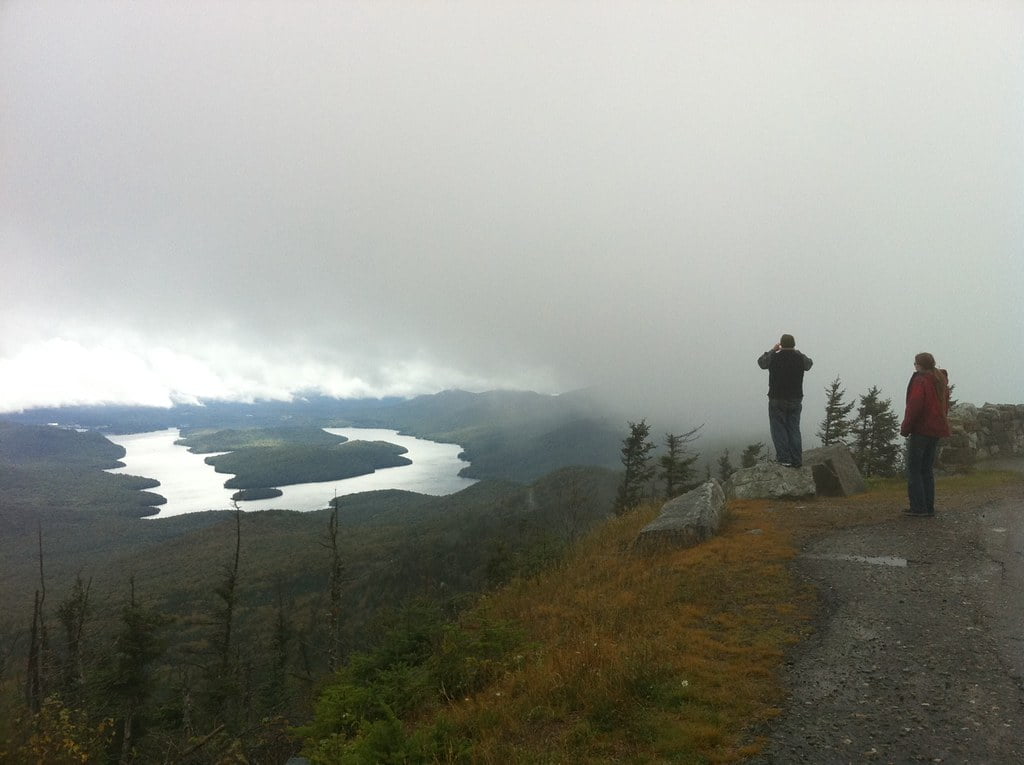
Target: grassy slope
<point x="671" y="658"/>
<point x="629" y="658"/>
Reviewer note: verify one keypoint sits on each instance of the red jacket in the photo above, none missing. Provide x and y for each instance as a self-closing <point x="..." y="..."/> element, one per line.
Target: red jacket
<point x="926" y="414"/>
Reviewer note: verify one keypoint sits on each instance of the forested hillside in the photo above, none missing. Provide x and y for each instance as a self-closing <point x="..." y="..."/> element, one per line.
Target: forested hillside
<point x="195" y="628"/>
<point x="510" y="435"/>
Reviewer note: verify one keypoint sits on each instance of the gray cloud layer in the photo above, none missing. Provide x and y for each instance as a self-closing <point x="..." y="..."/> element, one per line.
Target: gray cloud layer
<point x="243" y="198"/>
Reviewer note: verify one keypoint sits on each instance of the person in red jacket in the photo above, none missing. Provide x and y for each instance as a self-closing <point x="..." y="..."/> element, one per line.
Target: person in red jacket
<point x="924" y="423"/>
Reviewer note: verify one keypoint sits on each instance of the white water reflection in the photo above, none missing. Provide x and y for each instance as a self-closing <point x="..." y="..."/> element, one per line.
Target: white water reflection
<point x="190" y="485"/>
<point x="881" y="560"/>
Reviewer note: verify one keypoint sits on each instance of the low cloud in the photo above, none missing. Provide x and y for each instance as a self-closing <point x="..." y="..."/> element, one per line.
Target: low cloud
<point x="219" y="203"/>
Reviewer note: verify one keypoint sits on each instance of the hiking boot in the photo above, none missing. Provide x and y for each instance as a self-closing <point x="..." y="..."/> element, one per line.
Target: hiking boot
<point x="917" y="513"/>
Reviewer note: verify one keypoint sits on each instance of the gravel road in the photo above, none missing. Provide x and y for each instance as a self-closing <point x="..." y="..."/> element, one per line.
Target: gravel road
<point x="917" y="654"/>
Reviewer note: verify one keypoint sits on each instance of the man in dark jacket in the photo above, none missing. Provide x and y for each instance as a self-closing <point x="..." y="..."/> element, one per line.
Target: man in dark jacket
<point x="786" y="366"/>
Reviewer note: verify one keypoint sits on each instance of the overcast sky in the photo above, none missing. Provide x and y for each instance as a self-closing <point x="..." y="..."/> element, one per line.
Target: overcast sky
<point x="243" y="199"/>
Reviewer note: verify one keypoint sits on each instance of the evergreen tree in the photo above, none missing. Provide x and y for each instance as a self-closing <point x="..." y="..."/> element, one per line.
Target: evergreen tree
<point x="725" y="468"/>
<point x="72" y="613"/>
<point x="129" y="685"/>
<point x="875" y="432"/>
<point x="636" y="457"/>
<point x="752" y="455"/>
<point x="275" y="679"/>
<point x="836" y="427"/>
<point x="677" y="464"/>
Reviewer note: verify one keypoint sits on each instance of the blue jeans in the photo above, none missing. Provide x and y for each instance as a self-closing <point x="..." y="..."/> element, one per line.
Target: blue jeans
<point x="921" y="452"/>
<point x="784" y="420"/>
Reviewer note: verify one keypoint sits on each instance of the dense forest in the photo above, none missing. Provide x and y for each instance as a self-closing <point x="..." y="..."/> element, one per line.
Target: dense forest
<point x="190" y="637"/>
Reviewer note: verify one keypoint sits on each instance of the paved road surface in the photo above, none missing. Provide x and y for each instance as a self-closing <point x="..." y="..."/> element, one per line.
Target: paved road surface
<point x="919" y="652"/>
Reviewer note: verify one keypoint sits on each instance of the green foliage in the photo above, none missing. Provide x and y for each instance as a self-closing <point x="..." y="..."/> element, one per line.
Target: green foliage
<point x="473" y="654"/>
<point x="262" y="466"/>
<point x="247" y="495"/>
<point x="21" y="444"/>
<point x="275" y="686"/>
<point x="875" y="432"/>
<point x="677" y="462"/>
<point x="636" y="456"/>
<point x="208" y="440"/>
<point x="72" y="613"/>
<point x="725" y="467"/>
<point x="44" y="467"/>
<point x="128" y="681"/>
<point x="752" y="454"/>
<point x="836" y="427"/>
<point x="55" y="735"/>
<point x="420" y="661"/>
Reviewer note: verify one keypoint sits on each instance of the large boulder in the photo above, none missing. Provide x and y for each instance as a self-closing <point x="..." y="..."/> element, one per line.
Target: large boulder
<point x="771" y="481"/>
<point x="686" y="520"/>
<point x="835" y="471"/>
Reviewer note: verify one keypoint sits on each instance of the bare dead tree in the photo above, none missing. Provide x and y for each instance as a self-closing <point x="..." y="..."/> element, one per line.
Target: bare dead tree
<point x="33" y="673"/>
<point x="223" y="690"/>
<point x="39" y="648"/>
<point x="337" y="569"/>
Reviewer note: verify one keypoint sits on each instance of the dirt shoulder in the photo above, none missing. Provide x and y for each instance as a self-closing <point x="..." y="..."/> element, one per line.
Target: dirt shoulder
<point x="917" y="650"/>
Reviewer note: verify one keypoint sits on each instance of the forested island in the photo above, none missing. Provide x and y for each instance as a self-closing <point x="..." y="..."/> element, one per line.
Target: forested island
<point x="206" y="440"/>
<point x="266" y="466"/>
<point x="262" y="459"/>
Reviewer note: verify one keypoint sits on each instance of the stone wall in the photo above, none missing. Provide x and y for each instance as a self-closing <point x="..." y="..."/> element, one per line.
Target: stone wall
<point x="981" y="433"/>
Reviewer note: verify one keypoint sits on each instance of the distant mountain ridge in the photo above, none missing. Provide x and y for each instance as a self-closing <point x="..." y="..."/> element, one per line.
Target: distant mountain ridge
<point x="510" y="435"/>
<point x="506" y="435"/>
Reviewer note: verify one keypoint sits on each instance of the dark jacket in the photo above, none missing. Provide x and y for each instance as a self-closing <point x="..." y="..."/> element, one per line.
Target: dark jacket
<point x="927" y="412"/>
<point x="786" y="369"/>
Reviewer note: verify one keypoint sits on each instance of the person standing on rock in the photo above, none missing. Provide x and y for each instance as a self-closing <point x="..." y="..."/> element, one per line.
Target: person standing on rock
<point x="926" y="421"/>
<point x="786" y="366"/>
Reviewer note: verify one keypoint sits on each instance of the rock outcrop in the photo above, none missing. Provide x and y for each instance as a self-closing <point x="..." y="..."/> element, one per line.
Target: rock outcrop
<point x="980" y="433"/>
<point x="834" y="470"/>
<point x="686" y="520"/>
<point x="772" y="481"/>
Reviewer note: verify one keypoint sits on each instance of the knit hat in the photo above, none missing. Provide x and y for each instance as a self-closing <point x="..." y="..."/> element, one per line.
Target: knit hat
<point x="787" y="341"/>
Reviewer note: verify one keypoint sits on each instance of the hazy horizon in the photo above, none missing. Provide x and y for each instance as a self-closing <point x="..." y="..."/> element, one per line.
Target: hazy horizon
<point x="240" y="201"/>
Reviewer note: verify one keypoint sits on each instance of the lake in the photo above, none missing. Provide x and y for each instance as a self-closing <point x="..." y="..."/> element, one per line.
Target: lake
<point x="190" y="485"/>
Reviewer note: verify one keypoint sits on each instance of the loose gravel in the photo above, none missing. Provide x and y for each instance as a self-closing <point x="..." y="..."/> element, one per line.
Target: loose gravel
<point x="916" y="653"/>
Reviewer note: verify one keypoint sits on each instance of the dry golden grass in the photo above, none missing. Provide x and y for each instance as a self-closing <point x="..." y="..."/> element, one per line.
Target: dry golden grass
<point x="673" y="657"/>
<point x="659" y="658"/>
